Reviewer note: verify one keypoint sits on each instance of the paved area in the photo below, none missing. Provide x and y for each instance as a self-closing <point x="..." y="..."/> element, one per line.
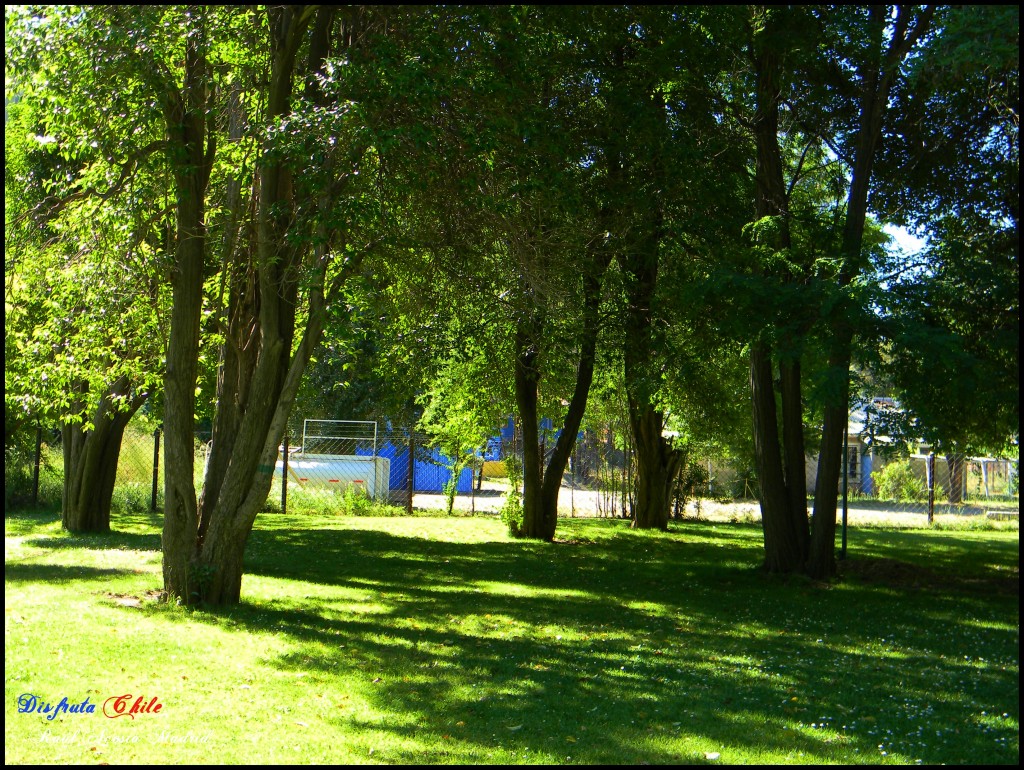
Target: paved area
<point x="588" y="504"/>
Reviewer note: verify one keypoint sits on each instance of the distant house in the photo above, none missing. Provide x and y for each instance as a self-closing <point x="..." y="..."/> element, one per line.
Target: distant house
<point x="867" y="454"/>
<point x="862" y="458"/>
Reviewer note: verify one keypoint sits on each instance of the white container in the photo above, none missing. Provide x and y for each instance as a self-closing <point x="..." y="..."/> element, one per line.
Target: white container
<point x="339" y="472"/>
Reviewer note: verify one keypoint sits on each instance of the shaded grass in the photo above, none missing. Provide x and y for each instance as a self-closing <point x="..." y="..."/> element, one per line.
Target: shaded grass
<point x="440" y="641"/>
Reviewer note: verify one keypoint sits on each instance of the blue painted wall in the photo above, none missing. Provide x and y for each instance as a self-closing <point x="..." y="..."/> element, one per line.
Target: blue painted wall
<point x="427" y="476"/>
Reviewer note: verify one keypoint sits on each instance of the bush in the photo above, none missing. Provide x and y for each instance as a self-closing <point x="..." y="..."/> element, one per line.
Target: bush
<point x="356" y="502"/>
<point x="512" y="508"/>
<point x="897" y="481"/>
<point x="131" y="497"/>
<point x="18" y="470"/>
<point x="691" y="483"/>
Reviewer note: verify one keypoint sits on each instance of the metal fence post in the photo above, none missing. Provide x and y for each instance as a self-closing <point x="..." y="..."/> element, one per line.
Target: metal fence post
<point x="284" y="476"/>
<point x="412" y="471"/>
<point x="931" y="488"/>
<point x="156" y="469"/>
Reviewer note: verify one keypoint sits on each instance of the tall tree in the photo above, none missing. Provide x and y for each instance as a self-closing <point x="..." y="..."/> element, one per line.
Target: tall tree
<point x="85" y="350"/>
<point x="952" y="312"/>
<point x="885" y="41"/>
<point x="491" y="135"/>
<point x="286" y="249"/>
<point x="306" y="241"/>
<point x="663" y="157"/>
<point x="780" y="460"/>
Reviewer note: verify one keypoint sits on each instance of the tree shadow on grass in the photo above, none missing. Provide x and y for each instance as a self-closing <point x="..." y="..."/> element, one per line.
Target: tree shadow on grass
<point x="948" y="561"/>
<point x="129" y="531"/>
<point x="117" y="541"/>
<point x="607" y="651"/>
<point x="59" y="573"/>
<point x="26" y="521"/>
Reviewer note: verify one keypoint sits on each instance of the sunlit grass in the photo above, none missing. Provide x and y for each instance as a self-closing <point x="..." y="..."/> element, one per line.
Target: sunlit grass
<point x="439" y="640"/>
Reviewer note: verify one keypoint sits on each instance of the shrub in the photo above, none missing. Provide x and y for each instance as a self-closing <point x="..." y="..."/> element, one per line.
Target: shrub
<point x="18" y="468"/>
<point x="131" y="497"/>
<point x="691" y="483"/>
<point x="897" y="481"/>
<point x="356" y="502"/>
<point x="512" y="508"/>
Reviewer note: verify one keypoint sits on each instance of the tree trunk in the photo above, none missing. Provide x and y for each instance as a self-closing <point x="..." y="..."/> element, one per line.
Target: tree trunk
<point x="186" y="123"/>
<point x="551" y="483"/>
<point x="783" y="549"/>
<point x="657" y="462"/>
<point x="821" y="563"/>
<point x="780" y="465"/>
<point x="876" y="77"/>
<point x="218" y="568"/>
<point x="795" y="455"/>
<point x="90" y="461"/>
<point x="535" y="518"/>
<point x="258" y="385"/>
<point x="91" y="453"/>
<point x="657" y="466"/>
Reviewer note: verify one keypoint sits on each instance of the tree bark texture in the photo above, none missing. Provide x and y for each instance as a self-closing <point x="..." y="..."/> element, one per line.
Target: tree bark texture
<point x="821" y="563"/>
<point x="184" y="112"/>
<point x="782" y="528"/>
<point x="956" y="463"/>
<point x="537" y="522"/>
<point x="542" y="484"/>
<point x="91" y="454"/>
<point x="262" y="364"/>
<point x="780" y="463"/>
<point x="657" y="462"/>
<point x="566" y="442"/>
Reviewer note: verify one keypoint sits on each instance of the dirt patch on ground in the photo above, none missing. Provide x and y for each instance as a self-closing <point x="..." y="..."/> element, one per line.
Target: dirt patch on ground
<point x="131" y="600"/>
<point x="889" y="572"/>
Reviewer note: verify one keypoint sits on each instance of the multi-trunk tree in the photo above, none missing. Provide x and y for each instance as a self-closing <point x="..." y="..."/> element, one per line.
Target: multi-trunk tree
<point x="282" y="228"/>
<point x="82" y="345"/>
<point x="305" y="238"/>
<point x="779" y="458"/>
<point x="837" y="100"/>
<point x="669" y="179"/>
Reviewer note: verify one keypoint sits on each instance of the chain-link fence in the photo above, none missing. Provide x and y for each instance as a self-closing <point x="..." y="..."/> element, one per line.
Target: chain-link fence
<point x="929" y="484"/>
<point x="336" y="456"/>
<point x="349" y="460"/>
<point x="600" y="480"/>
<point x="34" y="470"/>
<point x="328" y="464"/>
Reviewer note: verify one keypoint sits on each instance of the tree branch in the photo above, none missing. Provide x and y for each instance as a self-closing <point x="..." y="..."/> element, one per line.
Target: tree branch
<point x="57" y="205"/>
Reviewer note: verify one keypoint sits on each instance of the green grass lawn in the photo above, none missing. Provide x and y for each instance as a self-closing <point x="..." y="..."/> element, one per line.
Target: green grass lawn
<point x="439" y="640"/>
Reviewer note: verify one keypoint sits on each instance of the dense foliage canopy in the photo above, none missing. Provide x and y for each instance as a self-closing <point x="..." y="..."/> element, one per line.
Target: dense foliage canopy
<point x="452" y="214"/>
